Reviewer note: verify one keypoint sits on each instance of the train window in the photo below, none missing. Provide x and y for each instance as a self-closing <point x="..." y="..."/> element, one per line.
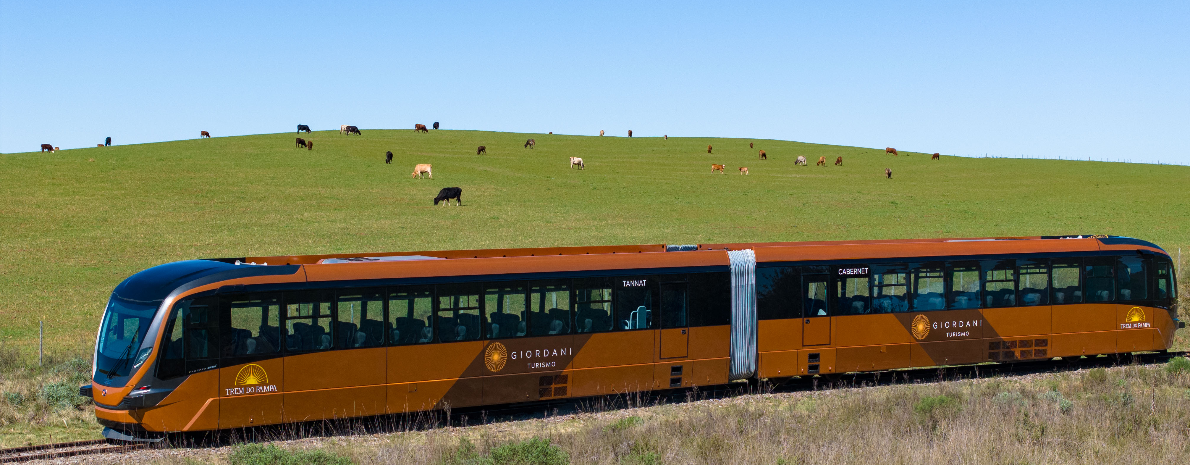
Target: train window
<point x="410" y="315"/>
<point x="710" y="298"/>
<point x="634" y="302"/>
<point x="549" y="308"/>
<point x="1099" y="279"/>
<point x="1133" y="283"/>
<point x="851" y="290"/>
<point x="673" y="305"/>
<point x="171" y="359"/>
<point x="776" y="293"/>
<point x="308" y="321"/>
<point x="929" y="286"/>
<point x="506" y="310"/>
<point x="999" y="283"/>
<point x="360" y="318"/>
<point x="202" y="327"/>
<point x="253" y="327"/>
<point x="459" y="318"/>
<point x="1164" y="286"/>
<point x="889" y="289"/>
<point x="1067" y="285"/>
<point x="593" y="304"/>
<point x="1033" y="282"/>
<point x="964" y="285"/>
<point x="814" y="292"/>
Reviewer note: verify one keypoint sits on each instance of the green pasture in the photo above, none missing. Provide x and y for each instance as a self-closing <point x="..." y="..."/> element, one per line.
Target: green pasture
<point x="75" y="223"/>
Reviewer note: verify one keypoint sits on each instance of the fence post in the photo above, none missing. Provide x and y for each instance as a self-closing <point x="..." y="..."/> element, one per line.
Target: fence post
<point x="40" y="341"/>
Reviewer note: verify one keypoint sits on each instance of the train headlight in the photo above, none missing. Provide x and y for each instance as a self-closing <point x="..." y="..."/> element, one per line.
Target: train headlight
<point x="141" y="357"/>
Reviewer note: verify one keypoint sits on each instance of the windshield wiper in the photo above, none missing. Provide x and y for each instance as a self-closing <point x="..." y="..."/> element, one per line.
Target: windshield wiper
<point x="123" y="358"/>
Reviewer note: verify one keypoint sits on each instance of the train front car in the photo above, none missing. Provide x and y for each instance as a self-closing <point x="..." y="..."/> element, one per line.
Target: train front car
<point x="142" y="381"/>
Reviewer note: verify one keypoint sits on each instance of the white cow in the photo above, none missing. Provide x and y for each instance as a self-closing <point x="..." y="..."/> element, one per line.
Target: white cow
<point x="576" y="161"/>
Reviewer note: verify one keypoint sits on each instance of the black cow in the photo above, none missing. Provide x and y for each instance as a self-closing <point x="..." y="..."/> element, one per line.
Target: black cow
<point x="300" y="142"/>
<point x="448" y="193"/>
<point x="435" y="125"/>
<point x="388" y="157"/>
<point x="302" y="127"/>
<point x="530" y="143"/>
<point x="107" y="142"/>
<point x="353" y="130"/>
<point x="45" y="147"/>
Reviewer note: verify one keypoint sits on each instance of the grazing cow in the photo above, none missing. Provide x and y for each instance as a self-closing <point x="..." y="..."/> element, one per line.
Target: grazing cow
<point x="204" y="134"/>
<point x="629" y="133"/>
<point x="576" y="161"/>
<point x="423" y="168"/>
<point x="56" y="149"/>
<point x="891" y="150"/>
<point x="551" y="133"/>
<point x="936" y="157"/>
<point x="744" y="170"/>
<point x="888" y="173"/>
<point x="300" y="142"/>
<point x="708" y="149"/>
<point x="388" y="157"/>
<point x="309" y="145"/>
<point x="530" y="143"/>
<point x="481" y="149"/>
<point x="718" y="168"/>
<point x="342" y="129"/>
<point x="448" y="193"/>
<point x="420" y="128"/>
<point x="435" y="125"/>
<point x="107" y="142"/>
<point x="839" y="161"/>
<point x="821" y="161"/>
<point x="600" y="133"/>
<point x="750" y="145"/>
<point x="353" y="130"/>
<point x="99" y="145"/>
<point x="800" y="160"/>
<point x="763" y="156"/>
<point x="667" y="137"/>
<point x="302" y="127"/>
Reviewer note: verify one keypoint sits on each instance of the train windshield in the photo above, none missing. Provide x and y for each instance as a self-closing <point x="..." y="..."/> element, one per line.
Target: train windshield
<point x="121" y="333"/>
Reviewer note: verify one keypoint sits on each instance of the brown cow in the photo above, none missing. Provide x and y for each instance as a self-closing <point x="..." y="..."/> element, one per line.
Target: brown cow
<point x="420" y="128"/>
<point x="300" y="142"/>
<point x="204" y="134"/>
<point x="481" y="149"/>
<point x="708" y="149"/>
<point x="309" y="145"/>
<point x="667" y="137"/>
<point x="744" y="170"/>
<point x="750" y="145"/>
<point x="600" y="133"/>
<point x="763" y="156"/>
<point x="821" y="161"/>
<point x="100" y="145"/>
<point x="888" y="173"/>
<point x="629" y="133"/>
<point x="839" y="161"/>
<point x="891" y="150"/>
<point x="45" y="147"/>
<point x="718" y="168"/>
<point x="420" y="169"/>
<point x="936" y="157"/>
<point x="56" y="149"/>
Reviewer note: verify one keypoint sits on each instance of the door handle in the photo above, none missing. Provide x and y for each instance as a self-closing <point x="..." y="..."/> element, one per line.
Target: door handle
<point x="683" y="331"/>
<point x="807" y="321"/>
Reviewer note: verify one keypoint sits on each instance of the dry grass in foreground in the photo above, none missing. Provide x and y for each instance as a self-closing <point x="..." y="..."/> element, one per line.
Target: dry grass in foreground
<point x="1132" y="414"/>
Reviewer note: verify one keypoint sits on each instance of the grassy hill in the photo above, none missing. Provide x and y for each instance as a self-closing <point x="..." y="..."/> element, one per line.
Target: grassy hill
<point x="77" y="222"/>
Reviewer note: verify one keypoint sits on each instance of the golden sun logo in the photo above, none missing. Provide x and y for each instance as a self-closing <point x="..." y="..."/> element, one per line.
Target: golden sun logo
<point x="251" y="374"/>
<point x="495" y="356"/>
<point x="1135" y="315"/>
<point x="920" y="327"/>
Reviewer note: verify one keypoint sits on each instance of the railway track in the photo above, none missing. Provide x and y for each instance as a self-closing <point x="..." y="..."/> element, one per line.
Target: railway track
<point x="65" y="449"/>
<point x="539" y="410"/>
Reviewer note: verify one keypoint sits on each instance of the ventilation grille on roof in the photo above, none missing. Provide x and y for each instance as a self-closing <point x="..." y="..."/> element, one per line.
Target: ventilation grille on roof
<point x="681" y="248"/>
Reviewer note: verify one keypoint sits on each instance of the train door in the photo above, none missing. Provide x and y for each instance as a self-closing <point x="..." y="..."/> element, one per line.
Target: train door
<point x="675" y="337"/>
<point x="251" y="372"/>
<point x="816" y="322"/>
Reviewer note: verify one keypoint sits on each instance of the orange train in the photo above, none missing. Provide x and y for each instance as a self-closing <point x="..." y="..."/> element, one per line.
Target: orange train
<point x="228" y="343"/>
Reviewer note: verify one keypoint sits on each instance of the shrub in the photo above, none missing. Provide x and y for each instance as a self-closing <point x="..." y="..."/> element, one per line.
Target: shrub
<point x="261" y="454"/>
<point x="14" y="399"/>
<point x="641" y="454"/>
<point x="624" y="423"/>
<point x="932" y="406"/>
<point x="1009" y="398"/>
<point x="1096" y="376"/>
<point x="1177" y="365"/>
<point x="534" y="451"/>
<point x="61" y="395"/>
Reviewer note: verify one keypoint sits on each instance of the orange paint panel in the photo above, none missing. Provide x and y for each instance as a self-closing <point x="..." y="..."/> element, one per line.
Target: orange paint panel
<point x="416" y="397"/>
<point x="1076" y="344"/>
<point x="616" y="348"/>
<point x="466" y="392"/>
<point x="179" y="408"/>
<point x="122" y="416"/>
<point x="327" y="404"/>
<point x="206" y="419"/>
<point x="1083" y="318"/>
<point x="250" y="410"/>
<point x="872" y="358"/>
<point x="774" y="335"/>
<point x="250" y="393"/>
<point x="860" y="330"/>
<point x="826" y="360"/>
<point x="778" y="364"/>
<point x="335" y="369"/>
<point x="707" y="372"/>
<point x="816" y="331"/>
<point x="1135" y="340"/>
<point x="674" y="342"/>
<point x="710" y="342"/>
<point x="1017" y="321"/>
<point x="948" y="353"/>
<point x="613" y="380"/>
<point x="431" y="362"/>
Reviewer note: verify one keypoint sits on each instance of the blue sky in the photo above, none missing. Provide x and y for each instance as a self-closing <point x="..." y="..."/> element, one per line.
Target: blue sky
<point x="1080" y="79"/>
